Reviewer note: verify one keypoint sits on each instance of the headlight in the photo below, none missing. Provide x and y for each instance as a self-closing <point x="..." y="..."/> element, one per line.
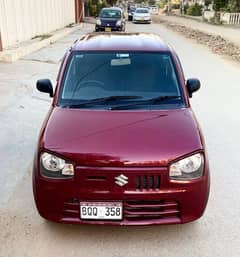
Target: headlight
<point x="98" y="21"/>
<point x="187" y="168"/>
<point x="119" y="23"/>
<point x="55" y="167"/>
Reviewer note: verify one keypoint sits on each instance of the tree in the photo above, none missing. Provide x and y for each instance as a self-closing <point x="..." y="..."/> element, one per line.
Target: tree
<point x="234" y="5"/>
<point x="219" y="4"/>
<point x="207" y="2"/>
<point x="151" y="2"/>
<point x="111" y="2"/>
<point x="95" y="6"/>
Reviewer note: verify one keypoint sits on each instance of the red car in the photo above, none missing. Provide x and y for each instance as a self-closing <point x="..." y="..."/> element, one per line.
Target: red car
<point x="120" y="144"/>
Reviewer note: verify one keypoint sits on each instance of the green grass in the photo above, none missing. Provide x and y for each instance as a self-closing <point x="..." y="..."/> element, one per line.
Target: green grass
<point x="42" y="37"/>
<point x="70" y="25"/>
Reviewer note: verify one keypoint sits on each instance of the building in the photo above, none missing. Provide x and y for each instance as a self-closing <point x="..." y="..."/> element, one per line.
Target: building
<point x="25" y="19"/>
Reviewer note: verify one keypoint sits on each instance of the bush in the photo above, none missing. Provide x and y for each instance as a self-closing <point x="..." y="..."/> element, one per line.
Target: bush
<point x="175" y="6"/>
<point x="186" y="6"/>
<point x="195" y="10"/>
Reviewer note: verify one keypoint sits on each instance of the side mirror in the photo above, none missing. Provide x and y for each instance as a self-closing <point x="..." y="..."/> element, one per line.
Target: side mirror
<point x="45" y="86"/>
<point x="192" y="86"/>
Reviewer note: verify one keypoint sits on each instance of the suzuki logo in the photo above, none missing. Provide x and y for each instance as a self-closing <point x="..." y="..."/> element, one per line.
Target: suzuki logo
<point x="121" y="180"/>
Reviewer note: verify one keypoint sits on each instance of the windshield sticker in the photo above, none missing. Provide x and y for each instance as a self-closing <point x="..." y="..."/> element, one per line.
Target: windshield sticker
<point x="120" y="62"/>
<point x="122" y="55"/>
<point x="79" y="56"/>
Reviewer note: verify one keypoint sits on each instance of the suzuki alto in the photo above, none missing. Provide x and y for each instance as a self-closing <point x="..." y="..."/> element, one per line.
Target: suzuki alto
<point x="120" y="144"/>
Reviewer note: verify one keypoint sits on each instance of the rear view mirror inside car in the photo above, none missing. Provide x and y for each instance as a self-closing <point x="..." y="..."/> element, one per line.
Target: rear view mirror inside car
<point x="120" y="62"/>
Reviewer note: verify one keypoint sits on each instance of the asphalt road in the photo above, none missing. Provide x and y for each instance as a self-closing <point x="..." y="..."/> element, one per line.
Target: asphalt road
<point x="22" y="109"/>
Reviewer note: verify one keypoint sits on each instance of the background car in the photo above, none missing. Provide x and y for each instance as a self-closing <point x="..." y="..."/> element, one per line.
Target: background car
<point x="131" y="11"/>
<point x="142" y="15"/>
<point x="110" y="19"/>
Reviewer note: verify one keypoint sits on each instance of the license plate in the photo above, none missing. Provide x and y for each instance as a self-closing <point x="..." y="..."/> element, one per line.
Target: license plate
<point x="108" y="29"/>
<point x="101" y="210"/>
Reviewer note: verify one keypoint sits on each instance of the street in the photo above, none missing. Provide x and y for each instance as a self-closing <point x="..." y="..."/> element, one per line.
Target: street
<point x="22" y="110"/>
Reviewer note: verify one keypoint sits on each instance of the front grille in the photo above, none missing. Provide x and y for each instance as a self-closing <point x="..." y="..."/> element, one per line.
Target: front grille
<point x="146" y="182"/>
<point x="110" y="24"/>
<point x="71" y="208"/>
<point x="133" y="210"/>
<point x="145" y="210"/>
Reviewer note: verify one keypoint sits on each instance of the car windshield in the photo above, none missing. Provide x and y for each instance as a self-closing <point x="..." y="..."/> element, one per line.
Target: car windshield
<point x="110" y="13"/>
<point x="121" y="77"/>
<point x="142" y="11"/>
<point x="132" y="9"/>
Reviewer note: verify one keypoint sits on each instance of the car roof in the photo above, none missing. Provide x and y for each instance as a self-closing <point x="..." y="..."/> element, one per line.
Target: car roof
<point x="121" y="42"/>
<point x="144" y="8"/>
<point x="112" y="8"/>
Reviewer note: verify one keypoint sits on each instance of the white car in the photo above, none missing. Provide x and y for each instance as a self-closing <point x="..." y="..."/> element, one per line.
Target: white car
<point x="142" y="15"/>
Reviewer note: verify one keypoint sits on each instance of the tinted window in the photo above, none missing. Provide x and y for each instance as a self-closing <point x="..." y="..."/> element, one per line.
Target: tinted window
<point x="93" y="75"/>
<point x="110" y="13"/>
<point x="142" y="11"/>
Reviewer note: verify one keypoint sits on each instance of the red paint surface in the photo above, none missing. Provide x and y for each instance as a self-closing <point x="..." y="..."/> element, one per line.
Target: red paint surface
<point x="109" y="143"/>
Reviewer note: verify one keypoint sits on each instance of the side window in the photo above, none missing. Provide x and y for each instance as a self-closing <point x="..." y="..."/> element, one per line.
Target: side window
<point x="71" y="78"/>
<point x="166" y="75"/>
<point x="61" y="65"/>
<point x="179" y="63"/>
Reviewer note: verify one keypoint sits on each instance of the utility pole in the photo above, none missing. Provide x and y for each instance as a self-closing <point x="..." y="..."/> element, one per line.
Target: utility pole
<point x="1" y="46"/>
<point x="182" y="7"/>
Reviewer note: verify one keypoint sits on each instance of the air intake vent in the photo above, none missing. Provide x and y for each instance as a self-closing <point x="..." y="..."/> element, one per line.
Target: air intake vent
<point x="149" y="210"/>
<point x="148" y="182"/>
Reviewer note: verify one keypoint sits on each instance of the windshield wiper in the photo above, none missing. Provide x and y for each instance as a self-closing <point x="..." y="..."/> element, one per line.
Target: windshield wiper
<point x="102" y="100"/>
<point x="153" y="100"/>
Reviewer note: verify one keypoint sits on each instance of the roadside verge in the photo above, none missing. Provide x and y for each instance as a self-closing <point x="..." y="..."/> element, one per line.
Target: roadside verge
<point x="25" y="48"/>
<point x="204" y="34"/>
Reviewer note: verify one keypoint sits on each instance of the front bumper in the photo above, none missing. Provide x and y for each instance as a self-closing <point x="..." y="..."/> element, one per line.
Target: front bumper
<point x="148" y="198"/>
<point x="108" y="28"/>
<point x="139" y="20"/>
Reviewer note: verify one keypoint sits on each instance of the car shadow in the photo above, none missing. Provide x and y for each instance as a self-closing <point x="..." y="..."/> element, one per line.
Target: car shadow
<point x="107" y="231"/>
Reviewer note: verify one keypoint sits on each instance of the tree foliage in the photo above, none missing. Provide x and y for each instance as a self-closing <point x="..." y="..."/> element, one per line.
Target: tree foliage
<point x="151" y="2"/>
<point x="195" y="10"/>
<point x="226" y="5"/>
<point x="218" y="5"/>
<point x="111" y="2"/>
<point x="233" y="6"/>
<point x="95" y="6"/>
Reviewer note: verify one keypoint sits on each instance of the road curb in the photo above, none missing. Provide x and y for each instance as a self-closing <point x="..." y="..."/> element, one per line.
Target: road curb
<point x="12" y="55"/>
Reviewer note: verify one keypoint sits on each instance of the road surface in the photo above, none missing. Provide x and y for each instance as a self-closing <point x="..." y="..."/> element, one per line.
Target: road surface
<point x="22" y="109"/>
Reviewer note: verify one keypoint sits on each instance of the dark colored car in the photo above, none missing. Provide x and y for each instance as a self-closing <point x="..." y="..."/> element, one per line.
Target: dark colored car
<point x="120" y="144"/>
<point x="110" y="19"/>
<point x="131" y="11"/>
